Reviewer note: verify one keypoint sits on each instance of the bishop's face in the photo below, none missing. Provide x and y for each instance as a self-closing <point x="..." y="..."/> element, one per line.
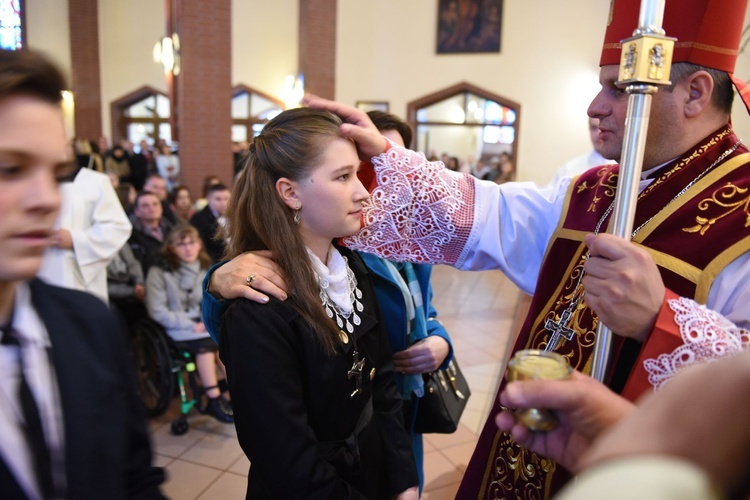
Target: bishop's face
<point x="610" y="106"/>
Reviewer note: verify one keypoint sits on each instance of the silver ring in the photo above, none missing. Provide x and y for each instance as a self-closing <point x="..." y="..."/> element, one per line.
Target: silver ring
<point x="250" y="279"/>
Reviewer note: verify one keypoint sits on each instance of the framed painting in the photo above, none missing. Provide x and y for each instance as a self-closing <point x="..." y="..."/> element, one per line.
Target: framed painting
<point x="469" y="26"/>
<point x="368" y="106"/>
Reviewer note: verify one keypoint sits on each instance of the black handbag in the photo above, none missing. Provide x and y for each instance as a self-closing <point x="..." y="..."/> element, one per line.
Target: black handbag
<point x="445" y="395"/>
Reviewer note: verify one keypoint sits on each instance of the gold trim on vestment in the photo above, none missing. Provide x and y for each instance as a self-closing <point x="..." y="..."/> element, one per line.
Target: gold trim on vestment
<point x="716" y="266"/>
<point x="677" y="266"/>
<point x="710" y="178"/>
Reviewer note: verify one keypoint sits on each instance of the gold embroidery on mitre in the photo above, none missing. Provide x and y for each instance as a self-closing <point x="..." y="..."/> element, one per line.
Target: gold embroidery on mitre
<point x="724" y="197"/>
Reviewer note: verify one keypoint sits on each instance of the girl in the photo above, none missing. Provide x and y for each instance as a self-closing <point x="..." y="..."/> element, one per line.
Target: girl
<point x="317" y="408"/>
<point x="181" y="202"/>
<point x="173" y="298"/>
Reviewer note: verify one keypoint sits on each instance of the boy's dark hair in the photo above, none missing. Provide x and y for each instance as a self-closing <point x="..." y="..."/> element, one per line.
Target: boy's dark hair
<point x="216" y="187"/>
<point x="387" y="121"/>
<point x="141" y="194"/>
<point x="31" y="73"/>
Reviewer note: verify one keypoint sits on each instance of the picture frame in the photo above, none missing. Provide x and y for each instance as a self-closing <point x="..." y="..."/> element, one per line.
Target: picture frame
<point x="469" y="26"/>
<point x="368" y="106"/>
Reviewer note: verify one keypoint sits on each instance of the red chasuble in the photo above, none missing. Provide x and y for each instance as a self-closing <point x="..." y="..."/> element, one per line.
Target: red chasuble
<point x="691" y="236"/>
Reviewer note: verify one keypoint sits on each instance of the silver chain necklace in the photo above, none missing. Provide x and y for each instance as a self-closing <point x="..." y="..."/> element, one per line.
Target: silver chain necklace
<point x="560" y="328"/>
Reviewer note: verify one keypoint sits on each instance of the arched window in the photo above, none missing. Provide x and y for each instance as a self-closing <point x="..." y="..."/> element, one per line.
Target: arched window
<point x="142" y="114"/>
<point x="12" y="25"/>
<point x="469" y="123"/>
<point x="251" y="110"/>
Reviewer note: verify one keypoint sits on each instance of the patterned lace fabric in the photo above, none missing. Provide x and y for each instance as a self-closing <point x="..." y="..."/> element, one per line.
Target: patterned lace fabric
<point x="707" y="336"/>
<point x="420" y="212"/>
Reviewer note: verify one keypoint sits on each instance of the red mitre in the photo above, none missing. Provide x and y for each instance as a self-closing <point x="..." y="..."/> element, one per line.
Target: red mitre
<point x="708" y="33"/>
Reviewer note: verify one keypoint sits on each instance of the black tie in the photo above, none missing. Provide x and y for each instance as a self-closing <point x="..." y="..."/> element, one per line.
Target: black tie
<point x="32" y="430"/>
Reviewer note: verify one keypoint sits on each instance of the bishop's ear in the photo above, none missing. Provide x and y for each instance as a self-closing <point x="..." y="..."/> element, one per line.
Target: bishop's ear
<point x="700" y="86"/>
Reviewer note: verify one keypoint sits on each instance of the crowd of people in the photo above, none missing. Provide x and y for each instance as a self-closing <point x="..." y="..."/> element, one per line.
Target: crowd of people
<point x="497" y="168"/>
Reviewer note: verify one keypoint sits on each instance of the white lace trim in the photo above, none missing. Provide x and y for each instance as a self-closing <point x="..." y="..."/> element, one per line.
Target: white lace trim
<point x="707" y="336"/>
<point x="420" y="211"/>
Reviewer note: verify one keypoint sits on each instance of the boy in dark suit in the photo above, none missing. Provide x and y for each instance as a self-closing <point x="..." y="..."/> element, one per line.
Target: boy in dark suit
<point x="70" y="419"/>
<point x="210" y="219"/>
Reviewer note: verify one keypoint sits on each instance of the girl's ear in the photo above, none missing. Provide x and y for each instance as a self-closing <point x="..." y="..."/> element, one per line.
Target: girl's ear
<point x="287" y="190"/>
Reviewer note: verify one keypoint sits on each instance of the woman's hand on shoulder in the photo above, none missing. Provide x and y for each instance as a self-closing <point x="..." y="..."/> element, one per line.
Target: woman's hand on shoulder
<point x="251" y="275"/>
<point x="424" y="356"/>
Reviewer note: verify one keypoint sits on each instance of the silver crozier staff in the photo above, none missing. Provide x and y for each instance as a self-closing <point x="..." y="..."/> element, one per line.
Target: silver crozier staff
<point x="645" y="63"/>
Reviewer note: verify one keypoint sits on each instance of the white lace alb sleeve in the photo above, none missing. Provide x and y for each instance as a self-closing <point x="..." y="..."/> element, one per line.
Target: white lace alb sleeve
<point x="707" y="336"/>
<point x="420" y="211"/>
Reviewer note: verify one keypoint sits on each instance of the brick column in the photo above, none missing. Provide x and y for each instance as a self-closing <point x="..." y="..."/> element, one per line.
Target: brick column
<point x="317" y="46"/>
<point x="204" y="87"/>
<point x="83" y="19"/>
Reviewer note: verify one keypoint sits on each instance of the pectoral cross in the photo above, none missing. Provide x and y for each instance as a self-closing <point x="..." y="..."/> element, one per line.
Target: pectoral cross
<point x="356" y="371"/>
<point x="559" y="329"/>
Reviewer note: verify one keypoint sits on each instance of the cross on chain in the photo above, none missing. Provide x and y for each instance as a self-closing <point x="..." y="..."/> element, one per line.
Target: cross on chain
<point x="356" y="372"/>
<point x="559" y="329"/>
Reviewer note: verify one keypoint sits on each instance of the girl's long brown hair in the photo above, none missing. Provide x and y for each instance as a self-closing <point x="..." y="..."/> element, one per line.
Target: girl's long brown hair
<point x="290" y="146"/>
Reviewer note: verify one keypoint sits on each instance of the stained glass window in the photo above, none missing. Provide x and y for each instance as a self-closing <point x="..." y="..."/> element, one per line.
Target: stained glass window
<point x="11" y="24"/>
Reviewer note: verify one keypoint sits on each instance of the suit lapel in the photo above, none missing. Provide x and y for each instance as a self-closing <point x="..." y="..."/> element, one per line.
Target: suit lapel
<point x="73" y="375"/>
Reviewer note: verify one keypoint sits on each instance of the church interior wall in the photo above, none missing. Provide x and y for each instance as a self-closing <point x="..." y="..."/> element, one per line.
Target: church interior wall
<point x="386" y="51"/>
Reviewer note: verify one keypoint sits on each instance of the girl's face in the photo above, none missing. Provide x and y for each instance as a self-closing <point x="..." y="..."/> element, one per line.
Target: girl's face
<point x="182" y="200"/>
<point x="331" y="196"/>
<point x="188" y="249"/>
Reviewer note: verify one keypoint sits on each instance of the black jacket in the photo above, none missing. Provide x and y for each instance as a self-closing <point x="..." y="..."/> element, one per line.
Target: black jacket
<point x="107" y="450"/>
<point x="293" y="406"/>
<point x="206" y="224"/>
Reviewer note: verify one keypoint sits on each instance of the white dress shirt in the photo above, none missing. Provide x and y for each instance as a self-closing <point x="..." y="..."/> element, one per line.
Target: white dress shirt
<point x="34" y="347"/>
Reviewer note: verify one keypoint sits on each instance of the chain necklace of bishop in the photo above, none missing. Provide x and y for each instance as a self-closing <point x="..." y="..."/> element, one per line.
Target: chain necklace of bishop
<point x="559" y="329"/>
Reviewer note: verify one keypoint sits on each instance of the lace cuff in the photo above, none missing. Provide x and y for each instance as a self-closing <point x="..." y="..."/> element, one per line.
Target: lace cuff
<point x="707" y="336"/>
<point x="419" y="212"/>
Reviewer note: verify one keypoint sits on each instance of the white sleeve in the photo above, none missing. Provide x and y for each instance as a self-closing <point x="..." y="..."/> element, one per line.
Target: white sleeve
<point x="642" y="477"/>
<point x="424" y="213"/>
<point x="106" y="229"/>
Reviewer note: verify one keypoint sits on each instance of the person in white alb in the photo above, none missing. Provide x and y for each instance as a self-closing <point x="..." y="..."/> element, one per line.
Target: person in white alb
<point x="91" y="229"/>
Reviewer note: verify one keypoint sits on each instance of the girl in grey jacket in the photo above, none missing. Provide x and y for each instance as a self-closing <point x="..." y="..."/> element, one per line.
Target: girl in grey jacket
<point x="173" y="299"/>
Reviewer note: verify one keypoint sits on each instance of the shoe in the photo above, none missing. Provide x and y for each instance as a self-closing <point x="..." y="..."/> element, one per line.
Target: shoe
<point x="220" y="409"/>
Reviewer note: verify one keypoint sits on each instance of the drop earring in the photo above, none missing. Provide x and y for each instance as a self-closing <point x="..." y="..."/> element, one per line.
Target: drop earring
<point x="297" y="217"/>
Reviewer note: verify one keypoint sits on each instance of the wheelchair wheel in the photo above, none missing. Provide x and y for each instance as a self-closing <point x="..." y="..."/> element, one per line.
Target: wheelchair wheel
<point x="179" y="426"/>
<point x="153" y="367"/>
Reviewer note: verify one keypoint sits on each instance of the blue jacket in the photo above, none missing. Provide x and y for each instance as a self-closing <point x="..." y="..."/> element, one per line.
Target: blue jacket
<point x="393" y="310"/>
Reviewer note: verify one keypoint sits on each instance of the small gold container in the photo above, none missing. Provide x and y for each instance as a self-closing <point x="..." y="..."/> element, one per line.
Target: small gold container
<point x="534" y="364"/>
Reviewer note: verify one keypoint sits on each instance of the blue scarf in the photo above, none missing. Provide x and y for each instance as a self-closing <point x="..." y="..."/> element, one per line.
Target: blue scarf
<point x="405" y="277"/>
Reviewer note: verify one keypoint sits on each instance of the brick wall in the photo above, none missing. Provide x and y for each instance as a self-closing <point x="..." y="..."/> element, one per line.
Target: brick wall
<point x="317" y="46"/>
<point x="84" y="47"/>
<point x="204" y="90"/>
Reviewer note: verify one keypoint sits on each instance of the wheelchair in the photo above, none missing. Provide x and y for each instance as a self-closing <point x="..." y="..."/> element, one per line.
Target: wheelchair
<point x="162" y="369"/>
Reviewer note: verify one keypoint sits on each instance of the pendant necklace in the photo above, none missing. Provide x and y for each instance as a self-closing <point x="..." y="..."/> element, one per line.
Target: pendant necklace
<point x="343" y="318"/>
<point x="355" y="296"/>
<point x="560" y="329"/>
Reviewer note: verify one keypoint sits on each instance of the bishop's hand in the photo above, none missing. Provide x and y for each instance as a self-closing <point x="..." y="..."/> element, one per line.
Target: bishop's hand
<point x="357" y="126"/>
<point x="623" y="285"/>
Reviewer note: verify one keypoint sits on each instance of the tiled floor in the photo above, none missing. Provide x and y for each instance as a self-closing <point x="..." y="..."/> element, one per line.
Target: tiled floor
<point x="478" y="311"/>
